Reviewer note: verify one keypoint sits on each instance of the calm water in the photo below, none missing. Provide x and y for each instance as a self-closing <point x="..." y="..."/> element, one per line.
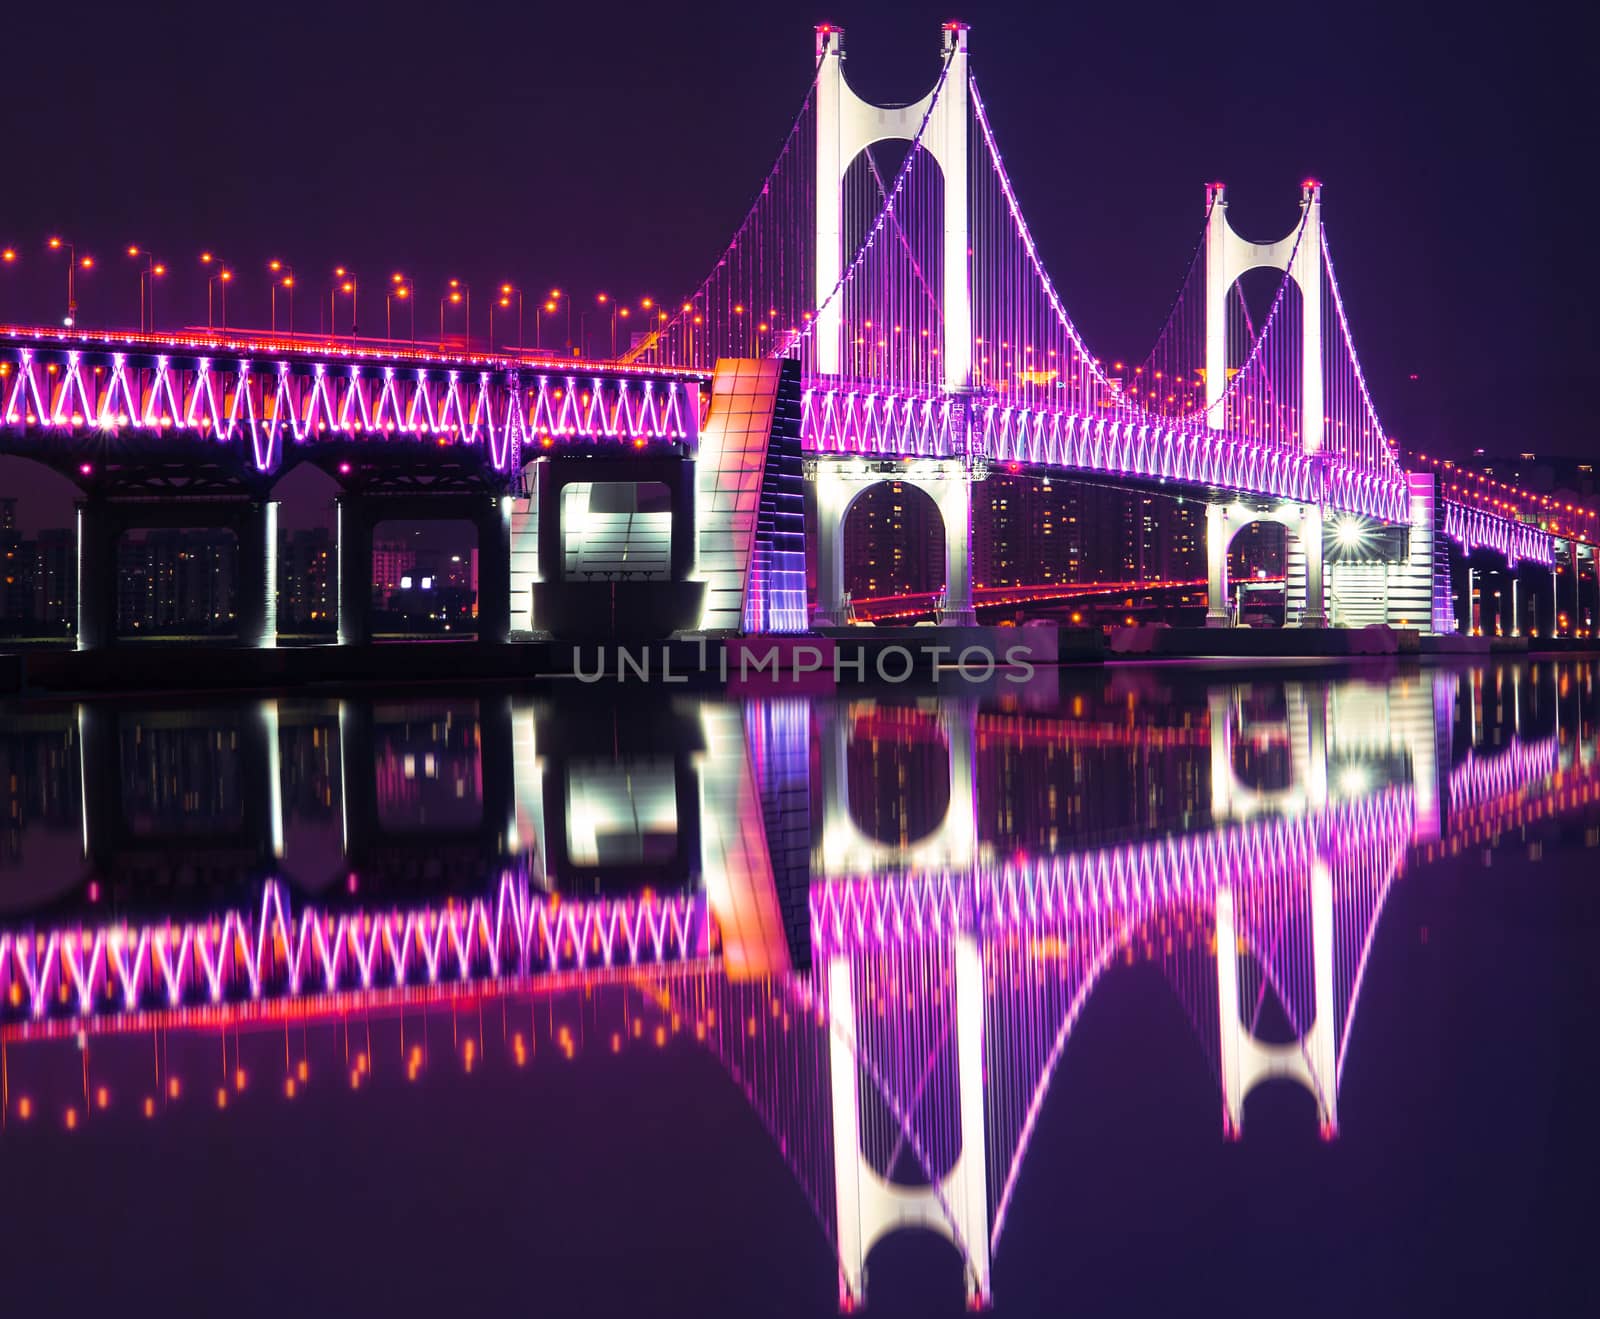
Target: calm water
<point x="502" y="1004"/>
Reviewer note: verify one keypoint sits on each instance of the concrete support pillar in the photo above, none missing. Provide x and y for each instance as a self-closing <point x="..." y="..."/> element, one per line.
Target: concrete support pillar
<point x="1577" y="613"/>
<point x="547" y="496"/>
<point x="354" y="548"/>
<point x="98" y="531"/>
<point x="256" y="591"/>
<point x="834" y="495"/>
<point x="955" y="507"/>
<point x="1516" y="610"/>
<point x="494" y="568"/>
<point x="1472" y="604"/>
<point x="1219" y="533"/>
<point x="831" y="90"/>
<point x="1311" y="540"/>
<point x="685" y="534"/>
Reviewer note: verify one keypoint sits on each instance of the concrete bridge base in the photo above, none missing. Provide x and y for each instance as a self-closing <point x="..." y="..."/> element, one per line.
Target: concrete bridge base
<point x="103" y="520"/>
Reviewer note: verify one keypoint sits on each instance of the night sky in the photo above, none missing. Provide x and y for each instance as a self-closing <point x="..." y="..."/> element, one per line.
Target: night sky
<point x="616" y="147"/>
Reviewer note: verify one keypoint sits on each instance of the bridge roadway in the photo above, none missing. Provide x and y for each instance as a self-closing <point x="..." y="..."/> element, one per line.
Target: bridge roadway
<point x="195" y="430"/>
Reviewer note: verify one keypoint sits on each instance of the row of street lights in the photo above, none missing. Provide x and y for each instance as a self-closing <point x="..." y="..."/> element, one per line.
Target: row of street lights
<point x="402" y="289"/>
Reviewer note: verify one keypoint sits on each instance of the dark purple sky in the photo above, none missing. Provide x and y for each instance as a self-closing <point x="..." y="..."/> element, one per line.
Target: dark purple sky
<point x="617" y="146"/>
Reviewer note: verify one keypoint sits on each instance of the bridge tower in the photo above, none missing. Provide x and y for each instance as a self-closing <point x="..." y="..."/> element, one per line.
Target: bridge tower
<point x="1310" y="1061"/>
<point x="1299" y="255"/>
<point x="869" y="1206"/>
<point x="847" y="126"/>
<point x="1227" y="257"/>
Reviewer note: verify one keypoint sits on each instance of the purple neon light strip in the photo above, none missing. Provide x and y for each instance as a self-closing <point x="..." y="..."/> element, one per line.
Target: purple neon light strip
<point x="314" y="402"/>
<point x="270" y="955"/>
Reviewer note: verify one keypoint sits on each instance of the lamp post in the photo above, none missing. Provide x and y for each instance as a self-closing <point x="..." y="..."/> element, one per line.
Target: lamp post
<point x="64" y="245"/>
<point x="224" y="277"/>
<point x="149" y="270"/>
<point x="507" y="292"/>
<point x="557" y="296"/>
<point x="454" y="298"/>
<point x="344" y="281"/>
<point x="284" y="273"/>
<point x="8" y="256"/>
<point x="460" y="294"/>
<point x="548" y="305"/>
<point x="404" y="289"/>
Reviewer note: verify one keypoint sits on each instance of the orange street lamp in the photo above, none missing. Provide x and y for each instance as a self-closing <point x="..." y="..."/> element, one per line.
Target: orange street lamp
<point x="344" y="281"/>
<point x="64" y="245"/>
<point x="400" y="289"/>
<point x="151" y="270"/>
<point x="223" y="277"/>
<point x="460" y="295"/>
<point x="282" y="273"/>
<point x="507" y="293"/>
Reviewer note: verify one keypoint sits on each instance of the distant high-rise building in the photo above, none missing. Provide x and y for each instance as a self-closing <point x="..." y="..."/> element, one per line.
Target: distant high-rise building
<point x="307" y="578"/>
<point x="392" y="562"/>
<point x="55" y="583"/>
<point x="1026" y="531"/>
<point x="16" y="568"/>
<point x="176" y="579"/>
<point x="893" y="543"/>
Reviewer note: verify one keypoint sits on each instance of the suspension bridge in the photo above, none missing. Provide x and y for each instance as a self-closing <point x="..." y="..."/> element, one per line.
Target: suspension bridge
<point x="881" y="313"/>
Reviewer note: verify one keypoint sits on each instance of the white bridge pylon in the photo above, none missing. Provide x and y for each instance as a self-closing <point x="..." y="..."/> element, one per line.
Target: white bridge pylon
<point x="869" y="1206"/>
<point x="1310" y="1061"/>
<point x="847" y="126"/>
<point x="1300" y="257"/>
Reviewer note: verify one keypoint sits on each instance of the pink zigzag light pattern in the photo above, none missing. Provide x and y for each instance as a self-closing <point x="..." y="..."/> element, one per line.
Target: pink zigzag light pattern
<point x="1037" y="892"/>
<point x="1473" y="528"/>
<point x="234" y="392"/>
<point x="853" y="421"/>
<point x="276" y="953"/>
<point x="1478" y="779"/>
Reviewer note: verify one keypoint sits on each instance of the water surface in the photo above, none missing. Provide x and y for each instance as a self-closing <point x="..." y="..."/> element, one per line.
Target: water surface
<point x="1158" y="990"/>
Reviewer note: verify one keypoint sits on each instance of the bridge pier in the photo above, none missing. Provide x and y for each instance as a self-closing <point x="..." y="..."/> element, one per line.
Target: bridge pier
<point x="841" y="481"/>
<point x="360" y="512"/>
<point x="604" y="563"/>
<point x="103" y="520"/>
<point x="1303" y="522"/>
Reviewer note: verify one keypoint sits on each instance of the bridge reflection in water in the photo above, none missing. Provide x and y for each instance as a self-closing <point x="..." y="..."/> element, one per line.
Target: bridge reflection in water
<point x="884" y="917"/>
